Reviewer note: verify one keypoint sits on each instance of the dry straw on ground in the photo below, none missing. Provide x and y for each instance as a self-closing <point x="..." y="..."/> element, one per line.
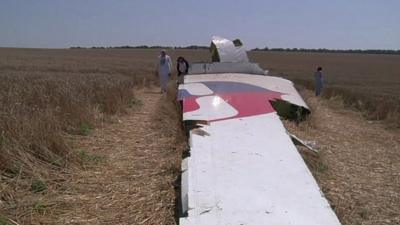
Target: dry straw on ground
<point x="136" y="182"/>
<point x="44" y="96"/>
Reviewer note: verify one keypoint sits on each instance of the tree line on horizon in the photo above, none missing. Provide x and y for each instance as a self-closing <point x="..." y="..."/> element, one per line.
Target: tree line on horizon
<point x="325" y="50"/>
<point x="321" y="50"/>
<point x="143" y="47"/>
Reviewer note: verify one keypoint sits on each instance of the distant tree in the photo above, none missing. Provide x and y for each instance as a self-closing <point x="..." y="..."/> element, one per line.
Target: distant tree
<point x="195" y="47"/>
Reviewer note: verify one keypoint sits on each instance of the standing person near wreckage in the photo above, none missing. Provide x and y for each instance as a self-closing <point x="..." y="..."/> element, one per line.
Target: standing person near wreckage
<point x="319" y="81"/>
<point x="182" y="66"/>
<point x="164" y="67"/>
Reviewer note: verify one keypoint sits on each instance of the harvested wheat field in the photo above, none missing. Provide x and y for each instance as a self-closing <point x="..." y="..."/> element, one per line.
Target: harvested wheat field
<point x="86" y="138"/>
<point x="366" y="82"/>
<point x="134" y="180"/>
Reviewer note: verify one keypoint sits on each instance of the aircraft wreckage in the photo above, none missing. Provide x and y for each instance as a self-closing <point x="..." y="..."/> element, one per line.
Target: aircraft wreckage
<point x="243" y="167"/>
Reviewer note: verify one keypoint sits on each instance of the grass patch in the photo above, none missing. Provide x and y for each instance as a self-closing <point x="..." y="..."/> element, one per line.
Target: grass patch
<point x="135" y="102"/>
<point x="322" y="168"/>
<point x="58" y="162"/>
<point x="85" y="129"/>
<point x="363" y="214"/>
<point x="87" y="157"/>
<point x="39" y="207"/>
<point x="1" y="140"/>
<point x="4" y="221"/>
<point x="38" y="186"/>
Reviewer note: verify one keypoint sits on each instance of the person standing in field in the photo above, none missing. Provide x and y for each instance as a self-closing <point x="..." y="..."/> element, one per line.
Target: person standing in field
<point x="319" y="82"/>
<point x="182" y="66"/>
<point x="164" y="70"/>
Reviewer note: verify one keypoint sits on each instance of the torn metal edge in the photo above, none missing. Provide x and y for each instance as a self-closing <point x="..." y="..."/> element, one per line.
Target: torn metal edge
<point x="297" y="141"/>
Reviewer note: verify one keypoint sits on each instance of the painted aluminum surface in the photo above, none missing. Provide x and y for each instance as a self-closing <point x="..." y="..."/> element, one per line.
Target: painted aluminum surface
<point x="246" y="170"/>
<point x="228" y="52"/>
<point x="214" y="97"/>
<point x="226" y="67"/>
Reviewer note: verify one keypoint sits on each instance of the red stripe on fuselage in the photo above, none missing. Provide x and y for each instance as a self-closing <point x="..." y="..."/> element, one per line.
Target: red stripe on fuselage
<point x="246" y="103"/>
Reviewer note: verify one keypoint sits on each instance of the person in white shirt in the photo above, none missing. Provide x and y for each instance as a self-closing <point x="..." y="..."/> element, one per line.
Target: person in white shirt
<point x="164" y="70"/>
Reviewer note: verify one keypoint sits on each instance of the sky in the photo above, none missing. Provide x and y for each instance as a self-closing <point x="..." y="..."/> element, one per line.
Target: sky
<point x="333" y="24"/>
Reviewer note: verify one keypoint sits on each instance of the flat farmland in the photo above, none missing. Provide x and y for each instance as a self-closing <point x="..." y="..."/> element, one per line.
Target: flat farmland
<point x="86" y="138"/>
<point x="367" y="74"/>
<point x="368" y="82"/>
<point x="375" y="75"/>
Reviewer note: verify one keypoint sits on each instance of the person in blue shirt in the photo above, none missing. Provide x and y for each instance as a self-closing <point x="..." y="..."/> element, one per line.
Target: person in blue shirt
<point x="319" y="81"/>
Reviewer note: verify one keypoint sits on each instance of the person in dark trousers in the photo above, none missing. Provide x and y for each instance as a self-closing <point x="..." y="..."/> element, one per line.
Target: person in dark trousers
<point x="182" y="66"/>
<point x="319" y="82"/>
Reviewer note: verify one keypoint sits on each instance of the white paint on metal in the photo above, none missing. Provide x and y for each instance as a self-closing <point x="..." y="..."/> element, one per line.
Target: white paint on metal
<point x="228" y="52"/>
<point x="269" y="82"/>
<point x="211" y="108"/>
<point x="298" y="141"/>
<point x="247" y="170"/>
<point x="226" y="67"/>
<point x="184" y="186"/>
<point x="198" y="89"/>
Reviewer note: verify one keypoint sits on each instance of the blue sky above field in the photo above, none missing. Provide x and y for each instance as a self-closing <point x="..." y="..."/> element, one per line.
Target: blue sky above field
<point x="339" y="24"/>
